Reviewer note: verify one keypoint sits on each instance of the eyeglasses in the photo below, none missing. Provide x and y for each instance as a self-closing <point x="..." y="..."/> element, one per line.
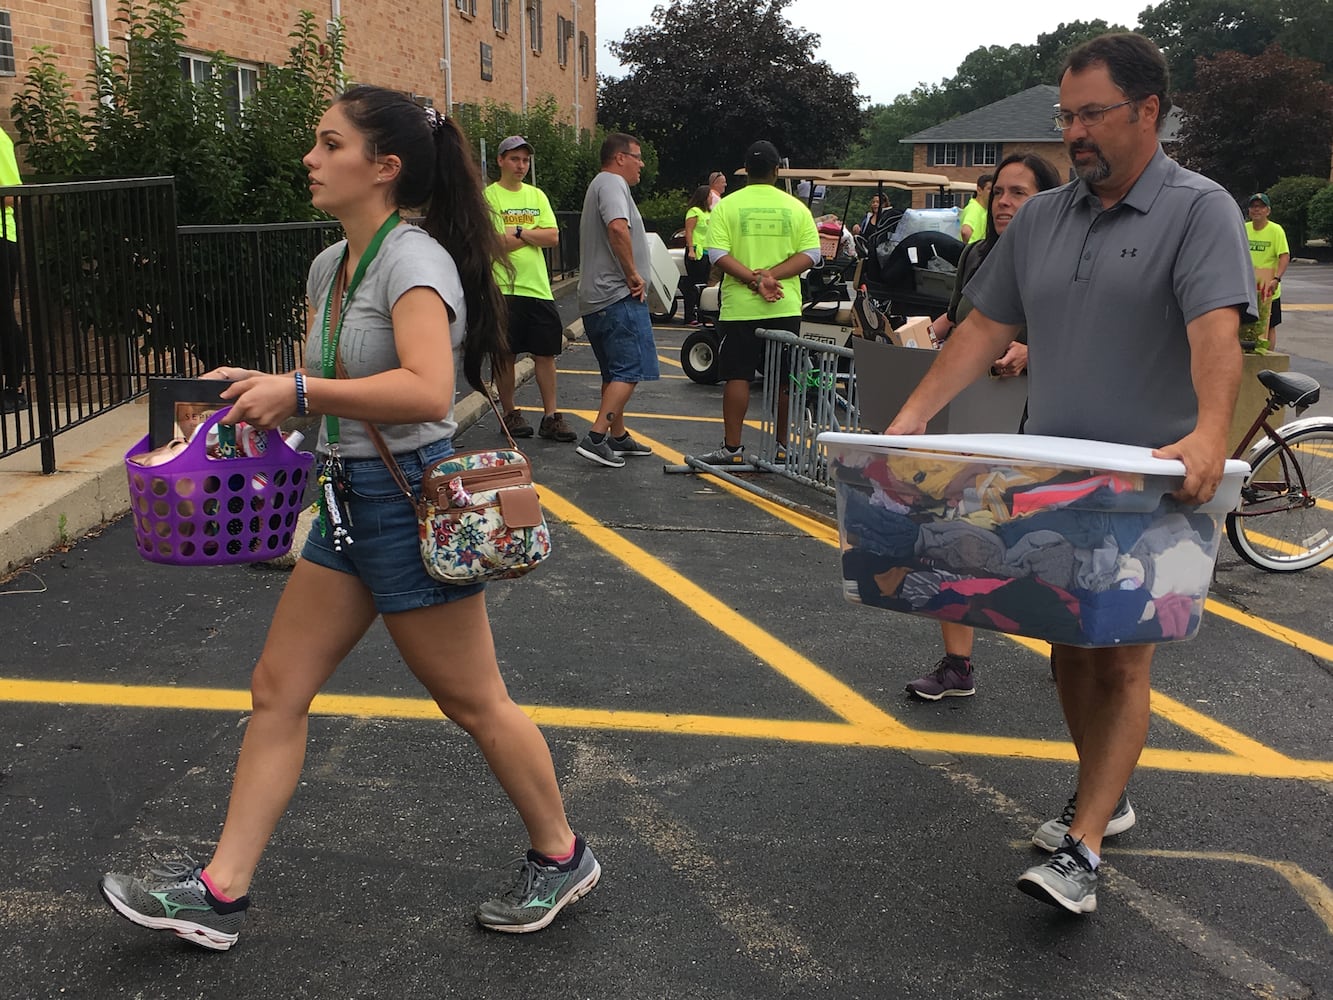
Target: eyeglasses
<point x="637" y="156"/>
<point x="1088" y="116"/>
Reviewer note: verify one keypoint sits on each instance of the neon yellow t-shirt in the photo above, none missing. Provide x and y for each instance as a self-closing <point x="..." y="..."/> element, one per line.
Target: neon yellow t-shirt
<point x="974" y="215"/>
<point x="700" y="229"/>
<point x="9" y="175"/>
<point x="761" y="227"/>
<point x="1266" y="246"/>
<point x="530" y="208"/>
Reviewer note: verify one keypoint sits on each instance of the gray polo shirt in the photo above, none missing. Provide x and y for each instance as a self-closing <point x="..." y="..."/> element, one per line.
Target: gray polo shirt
<point x="1106" y="294"/>
<point x="601" y="278"/>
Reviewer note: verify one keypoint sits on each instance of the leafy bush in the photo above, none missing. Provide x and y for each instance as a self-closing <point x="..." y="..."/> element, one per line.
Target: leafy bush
<point x="1321" y="214"/>
<point x="1291" y="200"/>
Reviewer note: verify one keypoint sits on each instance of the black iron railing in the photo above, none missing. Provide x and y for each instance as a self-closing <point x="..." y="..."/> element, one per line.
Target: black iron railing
<point x="110" y="292"/>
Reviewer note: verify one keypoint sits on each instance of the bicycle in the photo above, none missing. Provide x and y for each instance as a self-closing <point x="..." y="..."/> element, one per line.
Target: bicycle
<point x="1284" y="521"/>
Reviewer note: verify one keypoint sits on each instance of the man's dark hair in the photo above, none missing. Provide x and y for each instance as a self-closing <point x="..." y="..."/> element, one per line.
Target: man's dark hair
<point x="615" y="143"/>
<point x="985" y="179"/>
<point x="1134" y="63"/>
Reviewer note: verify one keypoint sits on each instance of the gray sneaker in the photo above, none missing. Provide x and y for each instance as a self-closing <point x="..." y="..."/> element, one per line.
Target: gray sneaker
<point x="628" y="446"/>
<point x="951" y="678"/>
<point x="540" y="891"/>
<point x="1051" y="834"/>
<point x="600" y="452"/>
<point x="174" y="898"/>
<point x="724" y="456"/>
<point x="1067" y="880"/>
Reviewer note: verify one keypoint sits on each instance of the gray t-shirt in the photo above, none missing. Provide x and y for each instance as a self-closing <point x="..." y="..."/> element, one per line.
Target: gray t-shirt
<point x="408" y="258"/>
<point x="1106" y="295"/>
<point x="601" y="278"/>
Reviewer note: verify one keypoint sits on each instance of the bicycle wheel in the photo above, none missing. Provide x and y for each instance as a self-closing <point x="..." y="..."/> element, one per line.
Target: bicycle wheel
<point x="1277" y="527"/>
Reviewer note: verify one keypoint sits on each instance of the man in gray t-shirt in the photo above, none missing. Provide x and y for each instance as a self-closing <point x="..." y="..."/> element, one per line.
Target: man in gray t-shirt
<point x="613" y="257"/>
<point x="1132" y="282"/>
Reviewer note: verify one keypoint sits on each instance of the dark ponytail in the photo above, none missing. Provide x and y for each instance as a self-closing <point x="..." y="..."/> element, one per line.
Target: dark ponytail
<point x="440" y="177"/>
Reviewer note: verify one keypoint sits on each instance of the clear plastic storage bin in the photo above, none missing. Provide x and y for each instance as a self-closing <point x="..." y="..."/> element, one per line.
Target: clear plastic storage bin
<point x="1075" y="542"/>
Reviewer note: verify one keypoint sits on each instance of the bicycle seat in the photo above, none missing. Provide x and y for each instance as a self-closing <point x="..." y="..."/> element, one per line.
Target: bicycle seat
<point x="1293" y="388"/>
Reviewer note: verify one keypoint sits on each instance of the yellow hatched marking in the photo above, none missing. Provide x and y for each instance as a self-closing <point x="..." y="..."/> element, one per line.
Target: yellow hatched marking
<point x="1316" y="895"/>
<point x="1308" y="307"/>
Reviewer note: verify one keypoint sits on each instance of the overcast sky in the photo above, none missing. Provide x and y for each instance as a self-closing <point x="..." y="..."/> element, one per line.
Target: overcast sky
<point x="912" y="45"/>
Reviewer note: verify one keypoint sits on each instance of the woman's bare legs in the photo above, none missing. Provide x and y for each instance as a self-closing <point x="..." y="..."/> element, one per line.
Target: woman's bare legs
<point x="450" y="649"/>
<point x="320" y="618"/>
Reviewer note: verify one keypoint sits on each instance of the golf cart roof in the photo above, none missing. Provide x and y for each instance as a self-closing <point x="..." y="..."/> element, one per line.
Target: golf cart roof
<point x="904" y="180"/>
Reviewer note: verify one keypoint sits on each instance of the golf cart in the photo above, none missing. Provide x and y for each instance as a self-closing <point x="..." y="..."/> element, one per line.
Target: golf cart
<point x="893" y="275"/>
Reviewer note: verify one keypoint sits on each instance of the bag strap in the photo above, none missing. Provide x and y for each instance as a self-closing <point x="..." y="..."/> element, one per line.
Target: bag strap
<point x="377" y="439"/>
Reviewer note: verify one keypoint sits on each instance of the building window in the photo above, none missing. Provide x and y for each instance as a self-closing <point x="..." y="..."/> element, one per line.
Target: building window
<point x="585" y="57"/>
<point x="943" y="154"/>
<point x="487" y="64"/>
<point x="7" y="67"/>
<point x="468" y="8"/>
<point x="940" y="201"/>
<point x="240" y="85"/>
<point x="535" y="25"/>
<point x="500" y="16"/>
<point x="985" y="154"/>
<point x="564" y="32"/>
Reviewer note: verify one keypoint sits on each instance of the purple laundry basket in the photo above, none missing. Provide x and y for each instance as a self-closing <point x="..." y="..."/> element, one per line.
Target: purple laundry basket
<point x="201" y="511"/>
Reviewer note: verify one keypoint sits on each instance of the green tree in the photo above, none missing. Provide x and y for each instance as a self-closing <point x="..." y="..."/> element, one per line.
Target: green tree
<point x="1253" y="119"/>
<point x="1321" y="214"/>
<point x="1293" y="206"/>
<point x="1187" y="30"/>
<point x="705" y="80"/>
<point x="565" y="160"/>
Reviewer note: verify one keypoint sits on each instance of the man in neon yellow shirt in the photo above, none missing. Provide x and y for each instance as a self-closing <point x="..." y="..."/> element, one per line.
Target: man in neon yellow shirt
<point x="973" y="218"/>
<point x="13" y="344"/>
<point x="1268" y="248"/>
<point x="762" y="239"/>
<point x="526" y="224"/>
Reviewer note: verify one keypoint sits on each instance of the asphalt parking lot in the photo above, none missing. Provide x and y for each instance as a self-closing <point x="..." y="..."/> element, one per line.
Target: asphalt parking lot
<point x="775" y="818"/>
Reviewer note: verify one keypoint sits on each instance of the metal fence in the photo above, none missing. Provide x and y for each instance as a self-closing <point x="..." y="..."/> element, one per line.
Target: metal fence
<point x="814" y="384"/>
<point x="110" y="291"/>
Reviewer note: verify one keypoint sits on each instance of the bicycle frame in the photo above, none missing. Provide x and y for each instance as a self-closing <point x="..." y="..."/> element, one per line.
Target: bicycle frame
<point x="1289" y="463"/>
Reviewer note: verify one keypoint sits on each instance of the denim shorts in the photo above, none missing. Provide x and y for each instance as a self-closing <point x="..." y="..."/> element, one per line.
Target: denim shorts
<point x="621" y="336"/>
<point x="385" y="553"/>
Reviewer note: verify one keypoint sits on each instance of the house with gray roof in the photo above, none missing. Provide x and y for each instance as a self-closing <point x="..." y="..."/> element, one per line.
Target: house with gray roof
<point x="970" y="145"/>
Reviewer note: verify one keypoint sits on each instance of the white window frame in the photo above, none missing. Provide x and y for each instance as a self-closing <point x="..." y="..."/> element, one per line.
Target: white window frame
<point x="941" y="153"/>
<point x="500" y="16"/>
<point x="198" y="69"/>
<point x="985" y="154"/>
<point x="585" y="55"/>
<point x="468" y="8"/>
<point x="564" y="31"/>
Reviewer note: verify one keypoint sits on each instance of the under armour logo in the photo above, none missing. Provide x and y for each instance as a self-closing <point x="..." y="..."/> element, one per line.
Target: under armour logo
<point x="1130" y="252"/>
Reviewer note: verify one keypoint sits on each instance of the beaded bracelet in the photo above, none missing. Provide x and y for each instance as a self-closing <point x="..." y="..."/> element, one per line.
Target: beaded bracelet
<point x="300" y="394"/>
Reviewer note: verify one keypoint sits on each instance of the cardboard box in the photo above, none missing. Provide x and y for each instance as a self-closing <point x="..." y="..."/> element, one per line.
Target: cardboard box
<point x="664" y="278"/>
<point x="886" y="376"/>
<point x="914" y="333"/>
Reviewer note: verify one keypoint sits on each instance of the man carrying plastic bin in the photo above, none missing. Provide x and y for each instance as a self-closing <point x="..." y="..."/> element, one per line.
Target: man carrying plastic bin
<point x="1132" y="282"/>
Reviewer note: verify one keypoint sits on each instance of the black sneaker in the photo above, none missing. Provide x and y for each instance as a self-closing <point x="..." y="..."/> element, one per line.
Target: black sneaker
<point x="174" y="898"/>
<point x="13" y="401"/>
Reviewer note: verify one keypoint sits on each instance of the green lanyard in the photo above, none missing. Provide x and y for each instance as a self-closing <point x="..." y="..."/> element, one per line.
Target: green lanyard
<point x="328" y="347"/>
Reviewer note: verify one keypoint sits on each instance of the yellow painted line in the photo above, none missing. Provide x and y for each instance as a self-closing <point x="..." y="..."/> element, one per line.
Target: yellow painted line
<point x="579" y="371"/>
<point x="1305" y="643"/>
<point x="804" y="673"/>
<point x="1308" y="307"/>
<point x="891" y="736"/>
<point x="1316" y="895"/>
<point x="663" y="359"/>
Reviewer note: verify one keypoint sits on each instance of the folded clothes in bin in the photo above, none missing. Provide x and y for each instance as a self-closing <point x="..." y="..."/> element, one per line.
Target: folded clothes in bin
<point x="1075" y="542"/>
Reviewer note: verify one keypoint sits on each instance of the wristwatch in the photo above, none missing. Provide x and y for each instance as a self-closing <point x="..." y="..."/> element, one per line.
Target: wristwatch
<point x="518" y="233"/>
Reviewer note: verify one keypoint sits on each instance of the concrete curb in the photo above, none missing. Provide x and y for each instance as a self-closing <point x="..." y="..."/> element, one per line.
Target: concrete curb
<point x="39" y="513"/>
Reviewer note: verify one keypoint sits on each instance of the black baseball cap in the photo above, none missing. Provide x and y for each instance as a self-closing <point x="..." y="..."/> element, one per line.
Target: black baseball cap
<point x="761" y="157"/>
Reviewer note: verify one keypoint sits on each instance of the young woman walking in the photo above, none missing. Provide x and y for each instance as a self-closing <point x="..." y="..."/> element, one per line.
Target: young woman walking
<point x="412" y="299"/>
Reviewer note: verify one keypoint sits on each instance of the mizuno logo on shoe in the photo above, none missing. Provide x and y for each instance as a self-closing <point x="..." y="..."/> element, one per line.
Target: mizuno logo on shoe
<point x="174" y="908"/>
<point x="546" y="902"/>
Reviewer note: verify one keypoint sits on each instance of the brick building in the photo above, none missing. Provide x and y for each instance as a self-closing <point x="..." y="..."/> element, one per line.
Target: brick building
<point x="970" y="145"/>
<point x="446" y="52"/>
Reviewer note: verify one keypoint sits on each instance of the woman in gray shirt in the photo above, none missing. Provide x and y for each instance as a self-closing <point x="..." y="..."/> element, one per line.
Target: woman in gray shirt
<point x="418" y="301"/>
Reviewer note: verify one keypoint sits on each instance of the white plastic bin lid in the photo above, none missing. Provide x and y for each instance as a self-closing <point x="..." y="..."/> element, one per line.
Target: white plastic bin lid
<point x="1075" y="452"/>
